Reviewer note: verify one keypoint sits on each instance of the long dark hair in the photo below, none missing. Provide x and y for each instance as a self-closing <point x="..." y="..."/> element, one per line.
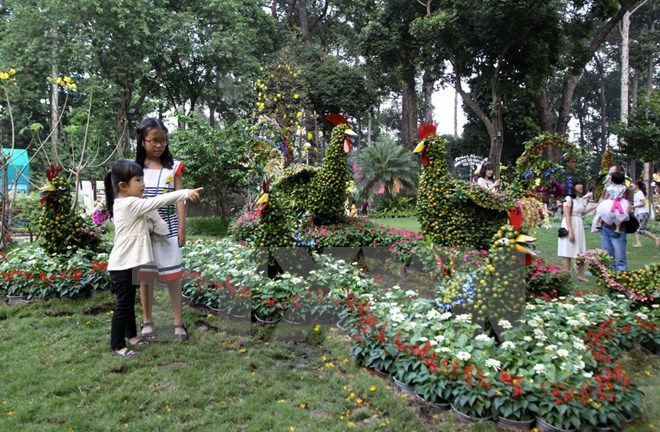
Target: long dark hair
<point x="166" y="159"/>
<point x="640" y="184"/>
<point x="574" y="181"/>
<point x="485" y="167"/>
<point x="122" y="171"/>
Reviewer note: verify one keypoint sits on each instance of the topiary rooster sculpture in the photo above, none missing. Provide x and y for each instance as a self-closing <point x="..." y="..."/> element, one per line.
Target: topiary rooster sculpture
<point x="453" y="212"/>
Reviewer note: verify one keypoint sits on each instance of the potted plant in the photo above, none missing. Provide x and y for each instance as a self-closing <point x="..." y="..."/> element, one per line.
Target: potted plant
<point x="514" y="401"/>
<point x="611" y="400"/>
<point x="472" y="395"/>
<point x="560" y="410"/>
<point x="434" y="387"/>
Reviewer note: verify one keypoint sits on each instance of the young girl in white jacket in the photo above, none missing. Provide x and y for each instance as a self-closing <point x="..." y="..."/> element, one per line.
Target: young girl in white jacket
<point x="124" y="187"/>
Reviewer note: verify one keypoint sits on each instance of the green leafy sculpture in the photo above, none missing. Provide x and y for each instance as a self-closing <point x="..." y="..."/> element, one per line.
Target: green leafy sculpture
<point x="327" y="191"/>
<point x="62" y="230"/>
<point x="453" y="212"/>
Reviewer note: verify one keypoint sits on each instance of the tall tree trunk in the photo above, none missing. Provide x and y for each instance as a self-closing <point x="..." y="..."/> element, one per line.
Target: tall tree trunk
<point x="625" y="65"/>
<point x="123" y="124"/>
<point x="408" y="107"/>
<point x="602" y="84"/>
<point x="427" y="88"/>
<point x="455" y="114"/>
<point x="650" y="68"/>
<point x="304" y="20"/>
<point x="624" y="29"/>
<point x="54" y="101"/>
<point x="545" y="116"/>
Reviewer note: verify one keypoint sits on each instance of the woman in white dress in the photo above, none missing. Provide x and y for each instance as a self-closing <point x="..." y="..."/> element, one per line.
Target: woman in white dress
<point x="574" y="243"/>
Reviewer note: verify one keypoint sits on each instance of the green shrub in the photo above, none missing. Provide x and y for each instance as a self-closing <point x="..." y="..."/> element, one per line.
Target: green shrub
<point x="207" y="226"/>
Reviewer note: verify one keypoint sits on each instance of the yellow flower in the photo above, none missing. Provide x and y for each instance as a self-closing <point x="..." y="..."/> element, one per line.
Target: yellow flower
<point x="4" y="75"/>
<point x="67" y="79"/>
<point x="292" y="429"/>
<point x="296" y="95"/>
<point x="372" y="388"/>
<point x="12" y="71"/>
<point x="310" y="136"/>
<point x="169" y="179"/>
<point x="299" y="114"/>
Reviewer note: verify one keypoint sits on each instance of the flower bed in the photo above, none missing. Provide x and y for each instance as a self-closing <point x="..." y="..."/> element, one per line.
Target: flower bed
<point x="639" y="285"/>
<point x="32" y="272"/>
<point x="568" y="376"/>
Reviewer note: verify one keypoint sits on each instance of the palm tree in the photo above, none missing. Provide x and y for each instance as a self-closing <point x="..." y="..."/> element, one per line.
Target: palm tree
<point x="385" y="165"/>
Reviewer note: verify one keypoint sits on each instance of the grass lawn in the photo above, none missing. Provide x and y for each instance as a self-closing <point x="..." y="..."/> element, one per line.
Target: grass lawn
<point x="57" y="374"/>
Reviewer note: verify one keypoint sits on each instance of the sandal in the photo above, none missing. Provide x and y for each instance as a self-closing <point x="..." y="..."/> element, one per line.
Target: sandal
<point x="147" y="334"/>
<point x="140" y="342"/>
<point x="183" y="336"/>
<point x="126" y="354"/>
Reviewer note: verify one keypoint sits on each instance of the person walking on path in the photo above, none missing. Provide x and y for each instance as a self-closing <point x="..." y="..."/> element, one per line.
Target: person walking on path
<point x="642" y="214"/>
<point x="131" y="249"/>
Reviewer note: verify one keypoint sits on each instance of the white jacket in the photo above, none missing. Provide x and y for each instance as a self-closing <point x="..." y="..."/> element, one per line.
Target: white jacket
<point x="132" y="246"/>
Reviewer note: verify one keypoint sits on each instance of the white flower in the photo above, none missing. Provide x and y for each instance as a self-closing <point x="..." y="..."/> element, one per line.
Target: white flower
<point x="530" y="307"/>
<point x="411" y="293"/>
<point x="550" y="347"/>
<point x="578" y="344"/>
<point x="538" y="334"/>
<point x="493" y="363"/>
<point x="504" y="324"/>
<point x="432" y="315"/>
<point x="562" y="352"/>
<point x="483" y="338"/>
<point x="463" y="355"/>
<point x="508" y="345"/>
<point x="642" y="316"/>
<point x="463" y="317"/>
<point x="439" y="338"/>
<point x="527" y="338"/>
<point x="567" y="306"/>
<point x="580" y="364"/>
<point x="423" y="339"/>
<point x="443" y="349"/>
<point x="587" y="374"/>
<point x="445" y="316"/>
<point x="573" y="322"/>
<point x="655" y="306"/>
<point x="539" y="369"/>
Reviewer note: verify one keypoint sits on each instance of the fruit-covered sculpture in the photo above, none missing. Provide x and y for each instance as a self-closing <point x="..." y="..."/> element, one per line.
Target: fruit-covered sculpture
<point x="452" y="212"/>
<point x="62" y="230"/>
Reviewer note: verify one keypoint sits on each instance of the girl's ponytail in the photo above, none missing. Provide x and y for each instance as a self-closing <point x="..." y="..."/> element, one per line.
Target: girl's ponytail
<point x="109" y="193"/>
